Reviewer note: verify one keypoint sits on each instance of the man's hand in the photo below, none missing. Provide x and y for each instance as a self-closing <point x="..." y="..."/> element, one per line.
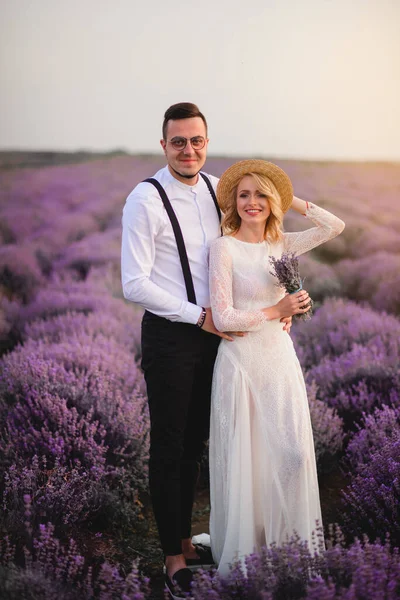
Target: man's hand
<point x="209" y="326"/>
<point x="288" y="323"/>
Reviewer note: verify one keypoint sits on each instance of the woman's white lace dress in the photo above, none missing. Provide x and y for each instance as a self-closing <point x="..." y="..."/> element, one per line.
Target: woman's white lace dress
<point x="263" y="478"/>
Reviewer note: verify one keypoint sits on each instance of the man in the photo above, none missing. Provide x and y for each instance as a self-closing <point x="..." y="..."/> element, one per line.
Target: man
<point x="178" y="352"/>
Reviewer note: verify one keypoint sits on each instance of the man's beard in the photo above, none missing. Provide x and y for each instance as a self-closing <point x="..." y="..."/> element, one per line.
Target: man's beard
<point x="185" y="176"/>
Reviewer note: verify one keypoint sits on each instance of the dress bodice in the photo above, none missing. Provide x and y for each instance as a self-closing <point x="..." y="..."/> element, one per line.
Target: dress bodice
<point x="241" y="283"/>
<point x="253" y="285"/>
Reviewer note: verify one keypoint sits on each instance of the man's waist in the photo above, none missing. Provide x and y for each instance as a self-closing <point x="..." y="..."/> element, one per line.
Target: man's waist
<point x="177" y="287"/>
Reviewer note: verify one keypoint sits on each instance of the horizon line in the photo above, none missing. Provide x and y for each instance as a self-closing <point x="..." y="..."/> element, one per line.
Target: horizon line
<point x="142" y="153"/>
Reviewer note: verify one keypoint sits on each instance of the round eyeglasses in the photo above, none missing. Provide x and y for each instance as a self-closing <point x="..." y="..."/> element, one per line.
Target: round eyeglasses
<point x="179" y="143"/>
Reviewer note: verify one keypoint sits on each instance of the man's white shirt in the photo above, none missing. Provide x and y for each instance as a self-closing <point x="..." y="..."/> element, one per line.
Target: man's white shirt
<point x="150" y="266"/>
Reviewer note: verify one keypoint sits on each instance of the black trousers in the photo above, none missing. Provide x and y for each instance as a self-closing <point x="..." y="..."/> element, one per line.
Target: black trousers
<point x="178" y="361"/>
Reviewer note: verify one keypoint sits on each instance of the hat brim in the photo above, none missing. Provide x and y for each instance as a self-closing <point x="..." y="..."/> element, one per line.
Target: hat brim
<point x="231" y="177"/>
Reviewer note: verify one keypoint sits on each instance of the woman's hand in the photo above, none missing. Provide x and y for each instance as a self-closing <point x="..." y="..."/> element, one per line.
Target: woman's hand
<point x="287" y="321"/>
<point x="291" y="304"/>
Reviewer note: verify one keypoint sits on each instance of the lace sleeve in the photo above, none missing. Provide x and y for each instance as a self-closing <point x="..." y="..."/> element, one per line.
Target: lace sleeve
<point x="225" y="316"/>
<point x="328" y="227"/>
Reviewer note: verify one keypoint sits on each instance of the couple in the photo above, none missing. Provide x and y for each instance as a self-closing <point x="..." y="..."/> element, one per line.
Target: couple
<point x="212" y="328"/>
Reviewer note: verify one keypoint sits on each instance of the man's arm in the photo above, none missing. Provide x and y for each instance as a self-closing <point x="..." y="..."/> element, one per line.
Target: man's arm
<point x="140" y="224"/>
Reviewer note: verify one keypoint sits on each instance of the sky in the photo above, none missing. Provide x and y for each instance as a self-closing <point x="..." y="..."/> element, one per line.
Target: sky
<point x="305" y="79"/>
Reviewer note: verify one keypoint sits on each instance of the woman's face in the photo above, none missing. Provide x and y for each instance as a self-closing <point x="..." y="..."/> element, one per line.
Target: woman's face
<point x="252" y="204"/>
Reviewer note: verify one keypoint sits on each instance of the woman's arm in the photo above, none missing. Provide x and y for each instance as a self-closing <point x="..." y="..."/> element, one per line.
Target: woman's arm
<point x="327" y="227"/>
<point x="299" y="205"/>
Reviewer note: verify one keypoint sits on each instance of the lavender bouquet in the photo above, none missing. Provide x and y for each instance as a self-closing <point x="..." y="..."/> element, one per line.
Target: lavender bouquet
<point x="286" y="270"/>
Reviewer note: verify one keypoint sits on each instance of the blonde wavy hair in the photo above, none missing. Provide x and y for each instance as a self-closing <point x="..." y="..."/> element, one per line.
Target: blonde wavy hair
<point x="274" y="225"/>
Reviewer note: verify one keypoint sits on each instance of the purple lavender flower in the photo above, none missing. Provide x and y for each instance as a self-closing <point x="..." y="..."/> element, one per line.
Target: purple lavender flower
<point x="359" y="380"/>
<point x="374" y="278"/>
<point x="374" y="432"/>
<point x="56" y="571"/>
<point x="372" y="500"/>
<point x="338" y="326"/>
<point x="19" y="271"/>
<point x="286" y="270"/>
<point x="327" y="429"/>
<point x="294" y="571"/>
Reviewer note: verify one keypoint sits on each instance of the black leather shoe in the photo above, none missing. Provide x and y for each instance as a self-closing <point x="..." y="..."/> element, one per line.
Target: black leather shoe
<point x="205" y="560"/>
<point x="179" y="584"/>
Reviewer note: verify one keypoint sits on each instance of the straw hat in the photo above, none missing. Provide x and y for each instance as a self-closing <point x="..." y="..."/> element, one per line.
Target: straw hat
<point x="231" y="177"/>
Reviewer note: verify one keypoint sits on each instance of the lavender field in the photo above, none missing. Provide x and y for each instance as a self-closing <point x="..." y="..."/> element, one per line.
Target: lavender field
<point x="75" y="521"/>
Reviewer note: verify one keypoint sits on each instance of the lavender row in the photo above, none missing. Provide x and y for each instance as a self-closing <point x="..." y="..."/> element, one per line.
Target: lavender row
<point x="290" y="572"/>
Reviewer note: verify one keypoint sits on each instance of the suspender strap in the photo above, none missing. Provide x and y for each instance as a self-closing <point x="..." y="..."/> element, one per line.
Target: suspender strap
<point x="187" y="275"/>
<point x="213" y="196"/>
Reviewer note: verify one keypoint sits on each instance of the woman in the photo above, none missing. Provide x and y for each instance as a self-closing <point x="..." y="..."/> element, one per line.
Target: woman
<point x="263" y="475"/>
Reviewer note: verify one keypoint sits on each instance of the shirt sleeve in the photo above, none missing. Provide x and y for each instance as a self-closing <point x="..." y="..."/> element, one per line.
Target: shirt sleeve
<point x="328" y="226"/>
<point x="141" y="222"/>
<point x="225" y="316"/>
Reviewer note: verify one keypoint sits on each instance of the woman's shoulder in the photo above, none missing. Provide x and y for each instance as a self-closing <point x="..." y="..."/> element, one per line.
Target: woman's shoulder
<point x="221" y="241"/>
<point x="222" y="246"/>
<point x="277" y="243"/>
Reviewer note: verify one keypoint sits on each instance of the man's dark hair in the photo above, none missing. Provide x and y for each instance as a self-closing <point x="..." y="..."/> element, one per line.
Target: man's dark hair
<point x="182" y="110"/>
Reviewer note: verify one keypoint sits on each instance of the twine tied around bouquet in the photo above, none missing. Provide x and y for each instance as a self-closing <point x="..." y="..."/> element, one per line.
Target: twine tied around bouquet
<point x="299" y="290"/>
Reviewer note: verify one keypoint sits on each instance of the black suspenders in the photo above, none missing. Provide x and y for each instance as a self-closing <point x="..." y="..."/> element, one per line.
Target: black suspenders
<point x="213" y="196"/>
<point x="187" y="275"/>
